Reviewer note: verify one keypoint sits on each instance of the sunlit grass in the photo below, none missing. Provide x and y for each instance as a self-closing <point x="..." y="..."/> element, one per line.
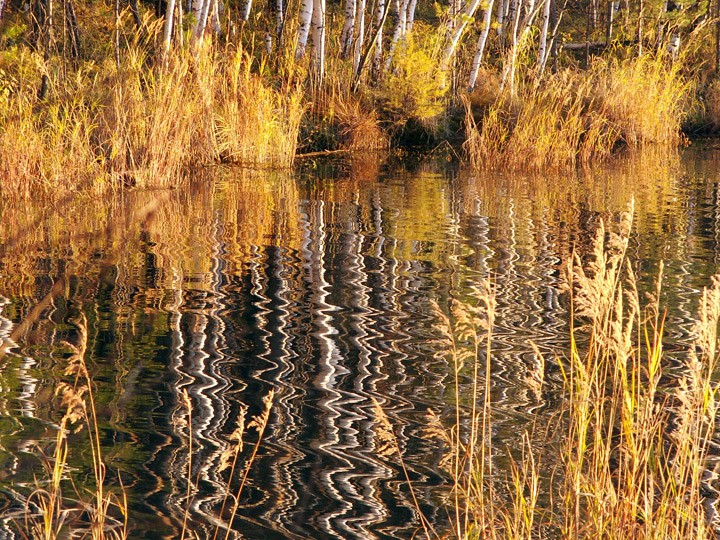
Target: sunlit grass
<point x="576" y="117"/>
<point x="633" y="448"/>
<point x="142" y="126"/>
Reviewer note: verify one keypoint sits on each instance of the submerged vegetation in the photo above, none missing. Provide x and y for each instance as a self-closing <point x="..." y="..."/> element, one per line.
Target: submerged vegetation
<point x="94" y="94"/>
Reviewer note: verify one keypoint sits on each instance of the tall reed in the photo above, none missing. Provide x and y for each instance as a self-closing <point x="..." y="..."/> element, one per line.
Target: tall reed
<point x="58" y="514"/>
<point x="633" y="440"/>
<point x="142" y="125"/>
<point x="579" y="116"/>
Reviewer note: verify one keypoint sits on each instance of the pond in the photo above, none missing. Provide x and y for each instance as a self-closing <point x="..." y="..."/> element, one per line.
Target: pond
<point x="321" y="285"/>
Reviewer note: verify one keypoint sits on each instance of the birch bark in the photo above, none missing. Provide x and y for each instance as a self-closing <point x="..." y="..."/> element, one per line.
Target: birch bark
<point x="542" y="48"/>
<point x="169" y="12"/>
<point x="246" y="8"/>
<point x="502" y="8"/>
<point x="477" y="60"/>
<point x="279" y="19"/>
<point x="318" y="36"/>
<point x="197" y="9"/>
<point x="357" y="53"/>
<point x="466" y="16"/>
<point x="398" y="33"/>
<point x="379" y="20"/>
<point x="203" y="21"/>
<point x="346" y="37"/>
<point x="410" y="16"/>
<point x="305" y="15"/>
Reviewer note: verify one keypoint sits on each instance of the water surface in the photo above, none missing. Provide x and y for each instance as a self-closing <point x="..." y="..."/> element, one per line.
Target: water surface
<point x="321" y="285"/>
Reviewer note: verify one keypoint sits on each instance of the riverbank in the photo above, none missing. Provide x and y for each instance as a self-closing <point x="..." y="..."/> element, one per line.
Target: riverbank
<point x="100" y="99"/>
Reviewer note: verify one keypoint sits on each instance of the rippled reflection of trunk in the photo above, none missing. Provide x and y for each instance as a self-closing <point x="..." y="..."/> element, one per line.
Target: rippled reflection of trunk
<point x="199" y="353"/>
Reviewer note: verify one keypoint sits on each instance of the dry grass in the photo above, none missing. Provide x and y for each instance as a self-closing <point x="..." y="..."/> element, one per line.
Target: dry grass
<point x="358" y="125"/>
<point x="105" y="516"/>
<point x="59" y="514"/>
<point x="633" y="449"/>
<point x="142" y="126"/>
<point x="576" y="117"/>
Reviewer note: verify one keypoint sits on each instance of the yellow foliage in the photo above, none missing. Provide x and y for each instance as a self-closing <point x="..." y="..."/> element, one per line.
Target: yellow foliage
<point x="415" y="87"/>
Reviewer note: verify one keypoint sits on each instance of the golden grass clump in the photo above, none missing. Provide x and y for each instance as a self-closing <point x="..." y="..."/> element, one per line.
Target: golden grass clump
<point x="142" y="125"/>
<point x="575" y="117"/>
<point x="358" y="125"/>
<point x="255" y="123"/>
<point x="43" y="146"/>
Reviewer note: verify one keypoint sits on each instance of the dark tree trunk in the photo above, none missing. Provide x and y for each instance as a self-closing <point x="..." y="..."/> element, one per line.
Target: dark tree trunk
<point x="73" y="29"/>
<point x="136" y="14"/>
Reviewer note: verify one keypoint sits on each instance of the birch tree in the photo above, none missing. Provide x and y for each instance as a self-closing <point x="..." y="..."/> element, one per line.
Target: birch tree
<point x="380" y="16"/>
<point x="465" y="17"/>
<point x="482" y="40"/>
<point x="346" y="37"/>
<point x="612" y="10"/>
<point x="502" y="9"/>
<point x="542" y="47"/>
<point x="197" y="9"/>
<point x="279" y="19"/>
<point x="398" y="32"/>
<point x="318" y="36"/>
<point x="169" y="12"/>
<point x="245" y="11"/>
<point x="357" y="53"/>
<point x="305" y="16"/>
<point x="203" y="20"/>
<point x="410" y="16"/>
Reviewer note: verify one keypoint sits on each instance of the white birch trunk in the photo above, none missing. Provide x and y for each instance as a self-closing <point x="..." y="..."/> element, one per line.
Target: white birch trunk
<point x="318" y="36"/>
<point x="398" y="33"/>
<point x="542" y="48"/>
<point x="203" y="21"/>
<point x="466" y="16"/>
<point x="359" y="41"/>
<point x="480" y="47"/>
<point x="305" y="15"/>
<point x="346" y="37"/>
<point x="502" y="9"/>
<point x="245" y="13"/>
<point x="410" y="16"/>
<point x="167" y="31"/>
<point x="197" y="10"/>
<point x="279" y="18"/>
<point x="379" y="14"/>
